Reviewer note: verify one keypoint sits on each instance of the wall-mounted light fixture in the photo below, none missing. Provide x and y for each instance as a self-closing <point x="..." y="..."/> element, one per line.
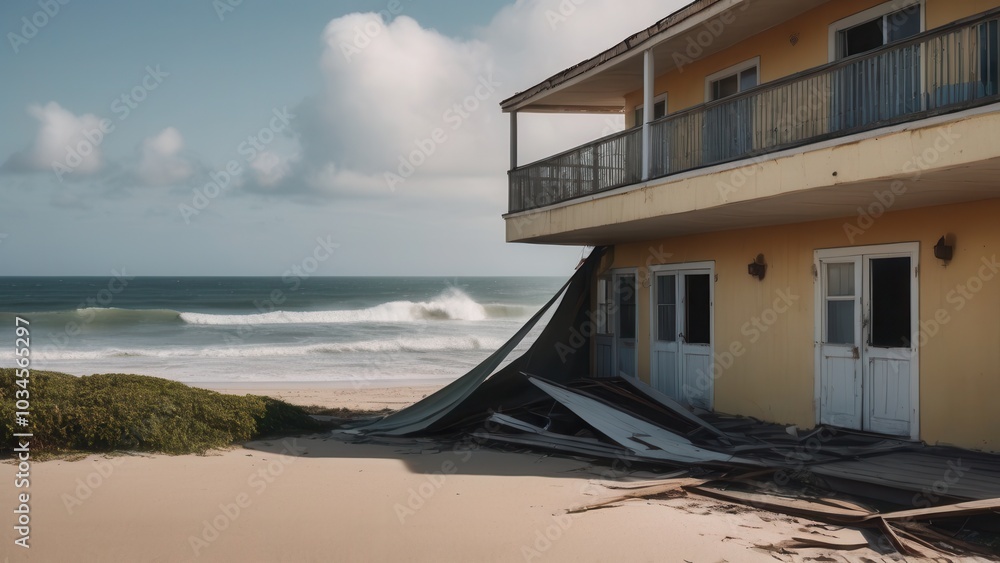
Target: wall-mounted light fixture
<point x="943" y="250"/>
<point x="794" y="39"/>
<point x="757" y="268"/>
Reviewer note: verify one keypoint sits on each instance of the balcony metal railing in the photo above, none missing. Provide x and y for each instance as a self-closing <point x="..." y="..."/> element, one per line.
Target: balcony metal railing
<point x="949" y="69"/>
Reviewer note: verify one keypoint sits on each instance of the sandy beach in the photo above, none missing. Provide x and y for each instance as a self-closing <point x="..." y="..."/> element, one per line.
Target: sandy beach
<point x="322" y="499"/>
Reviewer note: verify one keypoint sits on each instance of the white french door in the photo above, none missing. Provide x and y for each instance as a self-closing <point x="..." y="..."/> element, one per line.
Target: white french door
<point x="867" y="319"/>
<point x="682" y="332"/>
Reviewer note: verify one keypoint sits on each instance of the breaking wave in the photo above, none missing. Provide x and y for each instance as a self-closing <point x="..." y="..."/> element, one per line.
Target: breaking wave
<point x="452" y="305"/>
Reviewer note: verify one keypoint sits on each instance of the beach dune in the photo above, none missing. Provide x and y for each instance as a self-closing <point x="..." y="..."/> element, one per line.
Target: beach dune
<point x="322" y="499"/>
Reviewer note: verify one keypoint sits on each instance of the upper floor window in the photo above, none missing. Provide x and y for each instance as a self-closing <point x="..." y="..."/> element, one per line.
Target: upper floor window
<point x="733" y="80"/>
<point x="659" y="109"/>
<point x="874" y="28"/>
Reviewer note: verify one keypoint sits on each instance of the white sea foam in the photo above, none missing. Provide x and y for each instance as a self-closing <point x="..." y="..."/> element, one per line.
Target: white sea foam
<point x="400" y="345"/>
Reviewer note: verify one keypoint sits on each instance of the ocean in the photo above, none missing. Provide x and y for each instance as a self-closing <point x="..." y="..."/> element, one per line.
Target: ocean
<point x="352" y="331"/>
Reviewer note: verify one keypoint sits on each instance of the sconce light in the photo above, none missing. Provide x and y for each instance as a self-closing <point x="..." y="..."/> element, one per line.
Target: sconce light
<point x="758" y="267"/>
<point x="943" y="250"/>
<point x="794" y="39"/>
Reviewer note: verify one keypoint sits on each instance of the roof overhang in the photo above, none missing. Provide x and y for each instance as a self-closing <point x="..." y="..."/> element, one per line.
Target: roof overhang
<point x="600" y="84"/>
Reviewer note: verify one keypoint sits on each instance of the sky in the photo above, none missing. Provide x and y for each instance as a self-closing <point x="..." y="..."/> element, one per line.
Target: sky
<point x="242" y="137"/>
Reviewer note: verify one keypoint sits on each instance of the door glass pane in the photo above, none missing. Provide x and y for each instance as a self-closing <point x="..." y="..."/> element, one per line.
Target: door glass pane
<point x="840" y="280"/>
<point x="840" y="303"/>
<point x="626" y="307"/>
<point x="748" y="79"/>
<point x="604" y="306"/>
<point x="666" y="308"/>
<point x="890" y="303"/>
<point x="840" y="322"/>
<point x="697" y="309"/>
<point x="904" y="23"/>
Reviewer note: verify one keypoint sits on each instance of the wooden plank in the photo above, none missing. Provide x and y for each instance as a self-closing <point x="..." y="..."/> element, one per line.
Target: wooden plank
<point x="643" y="438"/>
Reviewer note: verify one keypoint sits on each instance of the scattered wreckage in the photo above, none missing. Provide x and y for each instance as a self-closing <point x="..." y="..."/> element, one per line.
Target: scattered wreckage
<point x="923" y="499"/>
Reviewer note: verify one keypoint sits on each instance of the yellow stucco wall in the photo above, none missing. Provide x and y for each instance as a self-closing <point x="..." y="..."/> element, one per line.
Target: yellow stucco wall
<point x="778" y="57"/>
<point x="773" y="378"/>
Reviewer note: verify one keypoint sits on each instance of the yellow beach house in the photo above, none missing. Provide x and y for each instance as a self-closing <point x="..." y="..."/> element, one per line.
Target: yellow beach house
<point x="802" y="215"/>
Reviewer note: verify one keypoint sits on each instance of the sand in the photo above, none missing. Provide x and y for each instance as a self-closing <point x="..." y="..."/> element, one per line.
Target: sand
<point x="321" y="499"/>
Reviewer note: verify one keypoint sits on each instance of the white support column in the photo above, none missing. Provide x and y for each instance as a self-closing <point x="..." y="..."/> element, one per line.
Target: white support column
<point x="513" y="140"/>
<point x="648" y="94"/>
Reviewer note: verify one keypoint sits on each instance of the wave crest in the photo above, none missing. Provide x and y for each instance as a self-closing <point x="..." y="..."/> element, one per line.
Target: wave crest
<point x="452" y="305"/>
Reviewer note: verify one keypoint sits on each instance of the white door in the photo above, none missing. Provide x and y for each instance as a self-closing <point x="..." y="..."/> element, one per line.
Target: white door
<point x="889" y="325"/>
<point x="666" y="349"/>
<point x="625" y="324"/>
<point x="840" y="345"/>
<point x="682" y="334"/>
<point x="867" y="361"/>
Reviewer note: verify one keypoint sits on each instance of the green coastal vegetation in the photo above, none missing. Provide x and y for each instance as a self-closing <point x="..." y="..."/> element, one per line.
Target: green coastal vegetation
<point x="119" y="412"/>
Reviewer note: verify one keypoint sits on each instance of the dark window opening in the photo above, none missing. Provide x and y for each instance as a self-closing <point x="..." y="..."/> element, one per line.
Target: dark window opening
<point x="862" y="38"/>
<point x="890" y="297"/>
<point x="698" y="310"/>
<point x="880" y="31"/>
<point x="659" y="110"/>
<point x="626" y="307"/>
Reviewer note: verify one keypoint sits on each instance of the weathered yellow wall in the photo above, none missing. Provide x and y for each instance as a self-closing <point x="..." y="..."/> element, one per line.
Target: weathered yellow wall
<point x="942" y="12"/>
<point x="773" y="378"/>
<point x="778" y="58"/>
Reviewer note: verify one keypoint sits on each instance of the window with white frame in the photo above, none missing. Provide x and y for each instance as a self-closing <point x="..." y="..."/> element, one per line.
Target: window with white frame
<point x="733" y="80"/>
<point x="875" y="27"/>
<point x="659" y="109"/>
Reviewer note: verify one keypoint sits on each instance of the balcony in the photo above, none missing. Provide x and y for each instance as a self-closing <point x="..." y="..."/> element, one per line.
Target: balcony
<point x="949" y="69"/>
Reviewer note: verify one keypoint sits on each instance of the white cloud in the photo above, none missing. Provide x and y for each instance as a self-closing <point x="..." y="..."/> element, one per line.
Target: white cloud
<point x="400" y="96"/>
<point x="270" y="168"/>
<point x="161" y="162"/>
<point x="65" y="143"/>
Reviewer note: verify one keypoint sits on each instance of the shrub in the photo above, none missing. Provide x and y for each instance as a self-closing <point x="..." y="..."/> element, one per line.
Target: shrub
<point x="132" y="412"/>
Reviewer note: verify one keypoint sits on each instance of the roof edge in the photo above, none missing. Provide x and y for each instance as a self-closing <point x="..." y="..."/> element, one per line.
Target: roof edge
<point x="631" y="43"/>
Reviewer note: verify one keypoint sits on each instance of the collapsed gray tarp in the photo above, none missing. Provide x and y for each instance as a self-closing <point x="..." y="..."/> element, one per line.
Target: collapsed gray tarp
<point x="424" y="414"/>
